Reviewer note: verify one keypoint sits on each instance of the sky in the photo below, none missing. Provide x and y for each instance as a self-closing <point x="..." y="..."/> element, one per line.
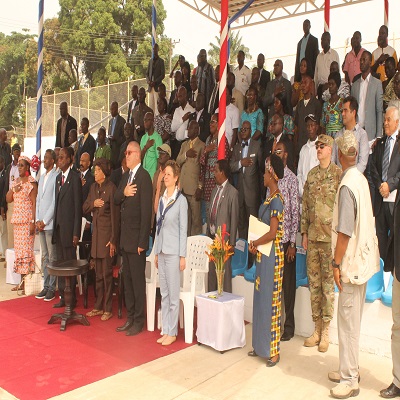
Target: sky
<point x="275" y="39"/>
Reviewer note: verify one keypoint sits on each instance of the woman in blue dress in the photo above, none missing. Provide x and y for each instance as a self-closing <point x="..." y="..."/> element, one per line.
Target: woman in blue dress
<point x="269" y="270"/>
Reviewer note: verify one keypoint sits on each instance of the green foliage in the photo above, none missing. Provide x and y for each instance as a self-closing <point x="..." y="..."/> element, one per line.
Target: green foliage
<point x="235" y="46"/>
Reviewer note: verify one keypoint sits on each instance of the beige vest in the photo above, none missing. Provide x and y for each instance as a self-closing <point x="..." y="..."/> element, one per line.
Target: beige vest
<point x="361" y="259"/>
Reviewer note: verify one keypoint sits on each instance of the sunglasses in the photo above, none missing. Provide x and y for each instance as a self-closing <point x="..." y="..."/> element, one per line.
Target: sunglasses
<point x="320" y="146"/>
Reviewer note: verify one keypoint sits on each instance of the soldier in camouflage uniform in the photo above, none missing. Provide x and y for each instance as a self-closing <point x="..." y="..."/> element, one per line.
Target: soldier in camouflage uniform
<point x="316" y="225"/>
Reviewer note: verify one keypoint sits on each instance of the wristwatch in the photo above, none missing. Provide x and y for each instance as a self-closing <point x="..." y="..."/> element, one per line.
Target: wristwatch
<point x="334" y="265"/>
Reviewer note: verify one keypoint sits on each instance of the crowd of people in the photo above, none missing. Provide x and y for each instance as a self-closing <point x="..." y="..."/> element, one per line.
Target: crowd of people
<point x="319" y="156"/>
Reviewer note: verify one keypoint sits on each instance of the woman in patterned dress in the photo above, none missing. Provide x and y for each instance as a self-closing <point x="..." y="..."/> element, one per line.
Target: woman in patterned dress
<point x="269" y="270"/>
<point x="331" y="119"/>
<point x="162" y="121"/>
<point x="280" y="107"/>
<point x="23" y="193"/>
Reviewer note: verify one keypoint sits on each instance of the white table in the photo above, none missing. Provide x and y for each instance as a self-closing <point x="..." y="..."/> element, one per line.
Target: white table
<point x="220" y="321"/>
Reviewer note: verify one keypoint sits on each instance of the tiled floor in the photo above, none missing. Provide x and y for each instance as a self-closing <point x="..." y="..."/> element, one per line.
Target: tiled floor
<point x="200" y="372"/>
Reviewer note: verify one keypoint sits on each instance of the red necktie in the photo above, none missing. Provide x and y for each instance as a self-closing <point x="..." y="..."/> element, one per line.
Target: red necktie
<point x="62" y="180"/>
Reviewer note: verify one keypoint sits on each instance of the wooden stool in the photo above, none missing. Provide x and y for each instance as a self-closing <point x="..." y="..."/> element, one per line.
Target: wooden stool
<point x="67" y="269"/>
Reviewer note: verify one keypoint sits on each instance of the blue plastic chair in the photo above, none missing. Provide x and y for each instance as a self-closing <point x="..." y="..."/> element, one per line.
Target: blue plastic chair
<point x="375" y="286"/>
<point x="240" y="257"/>
<point x="301" y="268"/>
<point x="148" y="252"/>
<point x="250" y="274"/>
<point x="387" y="294"/>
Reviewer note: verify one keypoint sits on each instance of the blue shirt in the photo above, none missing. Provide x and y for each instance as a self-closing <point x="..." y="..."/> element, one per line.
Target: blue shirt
<point x="303" y="46"/>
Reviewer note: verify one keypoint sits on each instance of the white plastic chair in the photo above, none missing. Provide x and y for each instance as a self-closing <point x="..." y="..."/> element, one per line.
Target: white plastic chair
<point x="151" y="286"/>
<point x="194" y="280"/>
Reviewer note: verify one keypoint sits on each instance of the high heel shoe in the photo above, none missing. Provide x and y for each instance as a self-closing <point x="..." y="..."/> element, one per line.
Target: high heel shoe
<point x="271" y="363"/>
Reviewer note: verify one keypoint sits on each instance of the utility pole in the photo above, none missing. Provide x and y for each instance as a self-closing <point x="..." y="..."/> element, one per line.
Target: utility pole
<point x="172" y="44"/>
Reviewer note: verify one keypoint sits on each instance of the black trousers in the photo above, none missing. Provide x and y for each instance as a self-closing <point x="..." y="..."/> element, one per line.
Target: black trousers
<point x="134" y="266"/>
<point x="65" y="254"/>
<point x="289" y="291"/>
<point x="384" y="224"/>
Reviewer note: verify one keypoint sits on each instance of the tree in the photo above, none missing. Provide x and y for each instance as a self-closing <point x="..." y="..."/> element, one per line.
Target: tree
<point x="235" y="45"/>
<point x="101" y="39"/>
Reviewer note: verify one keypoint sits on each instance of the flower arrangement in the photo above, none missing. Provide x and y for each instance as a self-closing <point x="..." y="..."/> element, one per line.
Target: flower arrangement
<point x="220" y="251"/>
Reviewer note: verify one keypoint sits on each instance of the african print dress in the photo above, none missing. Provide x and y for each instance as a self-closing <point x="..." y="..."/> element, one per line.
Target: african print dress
<point x="268" y="285"/>
<point x="21" y="219"/>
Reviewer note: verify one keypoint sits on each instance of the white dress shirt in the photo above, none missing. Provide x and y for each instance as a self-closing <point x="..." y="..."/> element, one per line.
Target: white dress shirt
<point x="178" y="125"/>
<point x="242" y="79"/>
<point x="361" y="101"/>
<point x="323" y="66"/>
<point x="232" y="121"/>
<point x="307" y="161"/>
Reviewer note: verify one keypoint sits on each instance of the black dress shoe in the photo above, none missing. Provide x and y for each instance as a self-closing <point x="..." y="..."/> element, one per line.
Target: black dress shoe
<point x="390" y="392"/>
<point x="60" y="304"/>
<point x="134" y="330"/>
<point x="271" y="363"/>
<point x="252" y="353"/>
<point x="286" y="337"/>
<point x="128" y="324"/>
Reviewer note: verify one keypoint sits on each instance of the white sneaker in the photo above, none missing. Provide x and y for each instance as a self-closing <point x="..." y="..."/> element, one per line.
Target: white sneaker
<point x="344" y="391"/>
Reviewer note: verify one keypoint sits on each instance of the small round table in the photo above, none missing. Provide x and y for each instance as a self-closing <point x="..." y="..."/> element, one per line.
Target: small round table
<point x="68" y="269"/>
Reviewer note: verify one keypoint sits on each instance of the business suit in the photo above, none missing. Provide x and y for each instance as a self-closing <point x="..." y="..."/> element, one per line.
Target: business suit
<point x="132" y="104"/>
<point x="190" y="180"/>
<point x="170" y="245"/>
<point x="118" y="138"/>
<point x="3" y="224"/>
<point x="89" y="146"/>
<point x="311" y="54"/>
<point x="227" y="213"/>
<point x="71" y="124"/>
<point x="373" y="106"/>
<point x="67" y="221"/>
<point x="204" y="125"/>
<point x="265" y="78"/>
<point x="89" y="180"/>
<point x="135" y="232"/>
<point x="269" y="97"/>
<point x="45" y="204"/>
<point x="171" y="105"/>
<point x="105" y="229"/>
<point x="383" y="211"/>
<point x="116" y="176"/>
<point x="289" y="147"/>
<point x="392" y="264"/>
<point x="249" y="183"/>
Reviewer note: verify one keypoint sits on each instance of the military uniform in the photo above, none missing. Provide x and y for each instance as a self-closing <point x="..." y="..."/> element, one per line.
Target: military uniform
<point x="316" y="221"/>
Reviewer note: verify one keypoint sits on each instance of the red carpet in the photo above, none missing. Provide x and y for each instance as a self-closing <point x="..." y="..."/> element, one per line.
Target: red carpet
<point x="39" y="361"/>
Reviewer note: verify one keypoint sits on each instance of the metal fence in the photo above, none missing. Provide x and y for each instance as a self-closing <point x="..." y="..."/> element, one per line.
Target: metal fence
<point x="93" y="103"/>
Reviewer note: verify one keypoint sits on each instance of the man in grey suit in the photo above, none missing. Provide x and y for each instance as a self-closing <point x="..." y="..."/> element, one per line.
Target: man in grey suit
<point x="45" y="203"/>
<point x="115" y="134"/>
<point x="247" y="161"/>
<point x="224" y="209"/>
<point x="190" y="179"/>
<point x="385" y="173"/>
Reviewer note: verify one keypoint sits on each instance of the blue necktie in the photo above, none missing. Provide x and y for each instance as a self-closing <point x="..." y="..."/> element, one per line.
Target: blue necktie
<point x="386" y="159"/>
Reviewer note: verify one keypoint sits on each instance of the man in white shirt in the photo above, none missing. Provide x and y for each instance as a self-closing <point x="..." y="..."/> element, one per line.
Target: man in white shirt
<point x="180" y="121"/>
<point x="323" y="63"/>
<point x="232" y="121"/>
<point x="308" y="154"/>
<point x="242" y="74"/>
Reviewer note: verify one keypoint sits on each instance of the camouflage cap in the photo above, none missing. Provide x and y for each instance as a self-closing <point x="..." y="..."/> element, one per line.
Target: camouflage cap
<point x="325" y="139"/>
<point x="347" y="143"/>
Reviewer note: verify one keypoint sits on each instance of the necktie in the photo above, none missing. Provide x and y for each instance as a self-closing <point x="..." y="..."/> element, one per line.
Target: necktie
<point x="130" y="176"/>
<point x="191" y="144"/>
<point x="386" y="160"/>
<point x="214" y="207"/>
<point x="62" y="179"/>
<point x="244" y="144"/>
<point x="212" y="100"/>
<point x="274" y="145"/>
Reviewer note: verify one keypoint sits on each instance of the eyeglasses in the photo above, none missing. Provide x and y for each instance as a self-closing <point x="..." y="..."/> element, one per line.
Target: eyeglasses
<point x="129" y="152"/>
<point x="320" y="146"/>
<point x="278" y="151"/>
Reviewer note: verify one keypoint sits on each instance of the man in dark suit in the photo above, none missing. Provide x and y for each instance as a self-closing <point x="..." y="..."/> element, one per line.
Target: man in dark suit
<point x="385" y="174"/>
<point x="279" y="136"/>
<point x="392" y="264"/>
<point x="87" y="179"/>
<point x="202" y="117"/>
<point x="3" y="220"/>
<point x="154" y="76"/>
<point x="224" y="209"/>
<point x="115" y="133"/>
<point x="64" y="125"/>
<point x="247" y="161"/>
<point x="5" y="148"/>
<point x="134" y="195"/>
<point x="265" y="76"/>
<point x="116" y="174"/>
<point x="306" y="48"/>
<point x="133" y="103"/>
<point x="86" y="143"/>
<point x="67" y="216"/>
<point x="173" y="99"/>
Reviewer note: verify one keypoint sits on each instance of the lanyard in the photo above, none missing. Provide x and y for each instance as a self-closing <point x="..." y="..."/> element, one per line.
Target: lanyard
<point x="163" y="212"/>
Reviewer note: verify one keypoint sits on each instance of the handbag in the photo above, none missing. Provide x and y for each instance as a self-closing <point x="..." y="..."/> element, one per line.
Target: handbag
<point x="32" y="283"/>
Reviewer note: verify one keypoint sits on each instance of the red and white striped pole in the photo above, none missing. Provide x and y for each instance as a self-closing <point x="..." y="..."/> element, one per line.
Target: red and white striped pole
<point x="386" y="13"/>
<point x="223" y="63"/>
<point x="327" y="13"/>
